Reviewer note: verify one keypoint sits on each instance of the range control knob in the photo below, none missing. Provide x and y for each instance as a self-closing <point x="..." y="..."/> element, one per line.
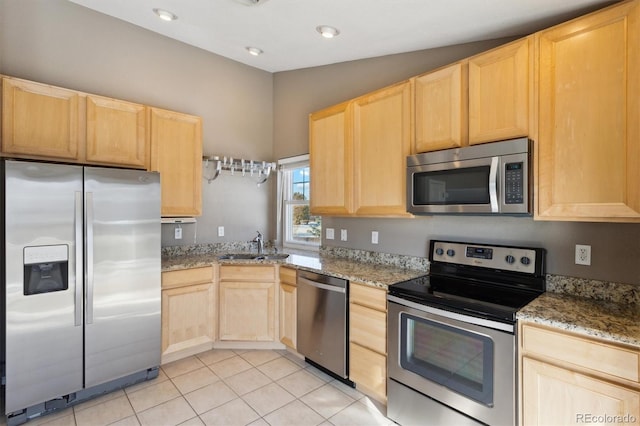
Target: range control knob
<point x="439" y="251"/>
<point x="510" y="259"/>
<point x="451" y="252"/>
<point x="525" y="260"/>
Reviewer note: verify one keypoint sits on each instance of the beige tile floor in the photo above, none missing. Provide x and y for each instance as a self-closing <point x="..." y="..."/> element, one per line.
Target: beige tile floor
<point x="229" y="388"/>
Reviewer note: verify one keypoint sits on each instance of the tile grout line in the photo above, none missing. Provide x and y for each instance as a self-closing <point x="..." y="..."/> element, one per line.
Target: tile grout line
<point x="225" y="381"/>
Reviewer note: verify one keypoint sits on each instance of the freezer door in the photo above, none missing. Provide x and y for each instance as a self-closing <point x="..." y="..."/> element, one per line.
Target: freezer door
<point x="43" y="296"/>
<point x="122" y="273"/>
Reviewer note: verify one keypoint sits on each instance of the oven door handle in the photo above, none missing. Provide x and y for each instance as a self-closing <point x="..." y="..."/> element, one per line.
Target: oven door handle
<point x="509" y="328"/>
<point x="493" y="184"/>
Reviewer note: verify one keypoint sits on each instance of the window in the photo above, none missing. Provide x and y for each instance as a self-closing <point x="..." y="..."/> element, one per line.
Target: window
<point x="298" y="227"/>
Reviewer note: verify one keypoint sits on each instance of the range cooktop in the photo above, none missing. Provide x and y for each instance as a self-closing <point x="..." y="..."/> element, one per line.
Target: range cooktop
<point x="486" y="281"/>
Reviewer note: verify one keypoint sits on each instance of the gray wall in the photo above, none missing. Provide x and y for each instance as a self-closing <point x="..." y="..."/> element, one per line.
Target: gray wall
<point x="63" y="44"/>
<point x="615" y="248"/>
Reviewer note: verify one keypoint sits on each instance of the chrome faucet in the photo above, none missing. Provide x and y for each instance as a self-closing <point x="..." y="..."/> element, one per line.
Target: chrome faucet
<point x="260" y="241"/>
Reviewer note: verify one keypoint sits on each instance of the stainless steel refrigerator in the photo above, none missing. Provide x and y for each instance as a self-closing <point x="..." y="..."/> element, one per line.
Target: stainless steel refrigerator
<point x="81" y="275"/>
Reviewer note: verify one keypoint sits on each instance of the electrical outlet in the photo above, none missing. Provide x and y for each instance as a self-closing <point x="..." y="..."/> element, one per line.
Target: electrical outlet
<point x="220" y="231"/>
<point x="343" y="235"/>
<point x="177" y="233"/>
<point x="583" y="255"/>
<point x="374" y="237"/>
<point x="329" y="234"/>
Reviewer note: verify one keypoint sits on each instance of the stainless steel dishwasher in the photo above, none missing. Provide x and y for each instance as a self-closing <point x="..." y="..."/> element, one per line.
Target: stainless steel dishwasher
<point x="322" y="321"/>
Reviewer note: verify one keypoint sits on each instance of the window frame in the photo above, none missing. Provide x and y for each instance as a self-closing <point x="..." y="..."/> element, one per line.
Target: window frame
<point x="286" y="202"/>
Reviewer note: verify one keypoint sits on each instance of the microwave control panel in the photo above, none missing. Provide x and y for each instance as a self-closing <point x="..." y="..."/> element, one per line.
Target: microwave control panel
<point x="514" y="183"/>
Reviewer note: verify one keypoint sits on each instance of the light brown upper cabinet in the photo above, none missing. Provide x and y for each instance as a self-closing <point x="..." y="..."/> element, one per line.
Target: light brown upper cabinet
<point x="588" y="151"/>
<point x="53" y="123"/>
<point x="441" y="108"/>
<point x="176" y="152"/>
<point x="485" y="98"/>
<point x="382" y="137"/>
<point x="501" y="92"/>
<point x="39" y="120"/>
<point x="116" y="132"/>
<point x="358" y="153"/>
<point x="330" y="160"/>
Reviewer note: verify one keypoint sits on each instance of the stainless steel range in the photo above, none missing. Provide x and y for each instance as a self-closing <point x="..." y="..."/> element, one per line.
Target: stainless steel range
<point x="452" y="334"/>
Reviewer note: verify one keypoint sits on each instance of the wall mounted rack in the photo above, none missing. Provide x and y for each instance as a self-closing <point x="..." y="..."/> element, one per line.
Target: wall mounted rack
<point x="214" y="164"/>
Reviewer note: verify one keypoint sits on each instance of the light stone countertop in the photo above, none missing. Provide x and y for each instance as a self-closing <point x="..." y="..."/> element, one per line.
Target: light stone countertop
<point x="610" y="321"/>
<point x="368" y="273"/>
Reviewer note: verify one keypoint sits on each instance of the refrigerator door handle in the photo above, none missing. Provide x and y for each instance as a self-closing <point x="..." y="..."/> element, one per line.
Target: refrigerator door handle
<point x="79" y="244"/>
<point x="89" y="258"/>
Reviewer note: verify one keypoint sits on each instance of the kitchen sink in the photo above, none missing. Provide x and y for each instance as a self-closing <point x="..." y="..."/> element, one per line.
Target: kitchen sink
<point x="273" y="256"/>
<point x="236" y="256"/>
<point x="252" y="256"/>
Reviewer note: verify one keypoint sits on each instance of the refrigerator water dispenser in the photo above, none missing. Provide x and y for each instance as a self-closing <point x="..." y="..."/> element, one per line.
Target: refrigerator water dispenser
<point x="46" y="269"/>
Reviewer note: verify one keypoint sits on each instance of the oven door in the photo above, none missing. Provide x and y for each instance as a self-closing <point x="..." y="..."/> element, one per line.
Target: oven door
<point x="443" y="355"/>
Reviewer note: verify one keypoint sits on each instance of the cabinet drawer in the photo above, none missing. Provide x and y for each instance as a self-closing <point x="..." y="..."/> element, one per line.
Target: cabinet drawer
<point x="184" y="277"/>
<point x="369" y="296"/>
<point x="368" y="369"/>
<point x="368" y="328"/>
<point x="247" y="273"/>
<point x="288" y="275"/>
<point x="590" y="354"/>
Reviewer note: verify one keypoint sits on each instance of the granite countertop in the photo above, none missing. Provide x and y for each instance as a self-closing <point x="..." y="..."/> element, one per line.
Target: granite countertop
<point x="609" y="311"/>
<point x="369" y="273"/>
<point x="611" y="321"/>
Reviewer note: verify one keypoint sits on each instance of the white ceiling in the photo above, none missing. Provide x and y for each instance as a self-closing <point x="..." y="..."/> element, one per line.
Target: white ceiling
<point x="285" y="29"/>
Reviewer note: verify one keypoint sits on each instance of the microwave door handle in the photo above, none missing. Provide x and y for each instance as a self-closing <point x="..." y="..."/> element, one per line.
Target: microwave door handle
<point x="493" y="184"/>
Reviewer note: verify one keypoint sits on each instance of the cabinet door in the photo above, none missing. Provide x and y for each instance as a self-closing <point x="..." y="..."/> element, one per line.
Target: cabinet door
<point x="368" y="369"/>
<point x="330" y="160"/>
<point x="39" y="120"/>
<point x="382" y="140"/>
<point x="500" y="91"/>
<point x="441" y="108"/>
<point x="555" y="396"/>
<point x="589" y="134"/>
<point x="176" y="152"/>
<point x="116" y="132"/>
<point x="288" y="294"/>
<point x="187" y="317"/>
<point x="247" y="311"/>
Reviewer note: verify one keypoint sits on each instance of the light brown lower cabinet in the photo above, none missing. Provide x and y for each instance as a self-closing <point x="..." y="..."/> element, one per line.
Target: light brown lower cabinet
<point x="567" y="379"/>
<point x="188" y="312"/>
<point x="247" y="303"/>
<point x="288" y="307"/>
<point x="367" y="339"/>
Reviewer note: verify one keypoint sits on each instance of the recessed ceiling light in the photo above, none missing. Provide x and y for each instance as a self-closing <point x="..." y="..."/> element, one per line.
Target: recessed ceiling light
<point x="165" y="15"/>
<point x="254" y="51"/>
<point x="327" y="31"/>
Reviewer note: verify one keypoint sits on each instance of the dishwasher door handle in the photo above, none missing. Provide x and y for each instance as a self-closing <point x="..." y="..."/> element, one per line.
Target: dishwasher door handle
<point x="322" y="286"/>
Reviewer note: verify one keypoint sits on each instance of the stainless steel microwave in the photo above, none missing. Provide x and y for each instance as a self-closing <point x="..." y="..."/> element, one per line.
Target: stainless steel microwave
<point x="492" y="178"/>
